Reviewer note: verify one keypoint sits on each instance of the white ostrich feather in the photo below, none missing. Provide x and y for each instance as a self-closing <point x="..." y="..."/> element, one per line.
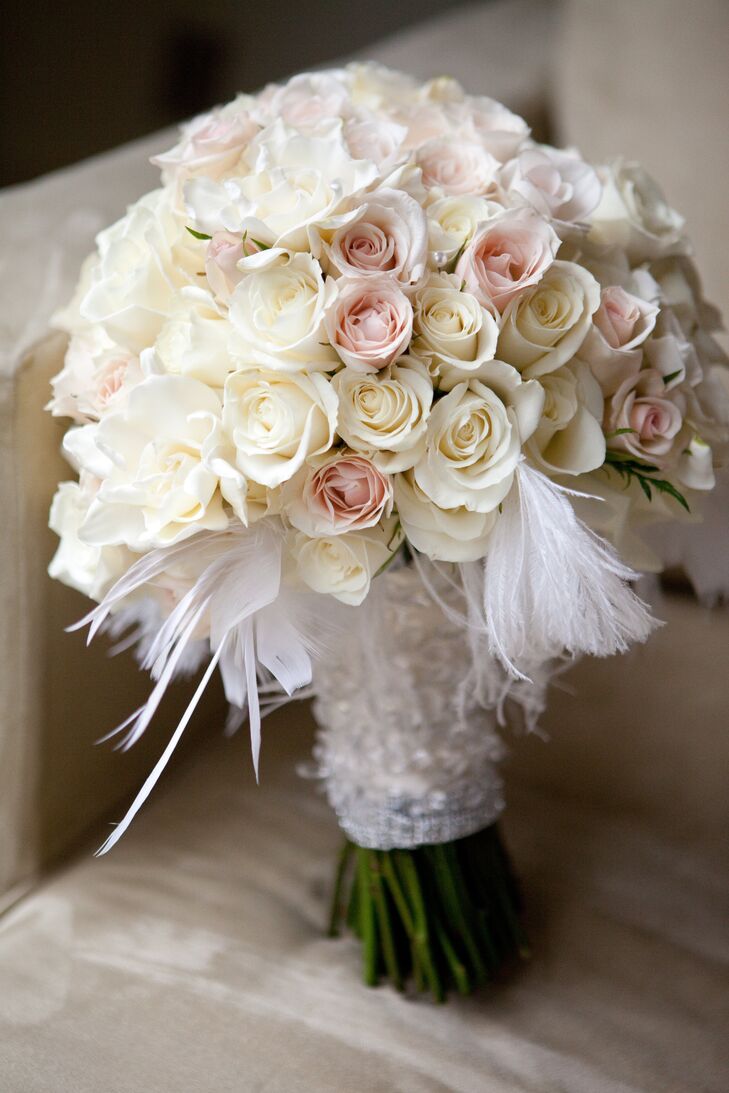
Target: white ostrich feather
<point x="261" y="633"/>
<point x="549" y="587"/>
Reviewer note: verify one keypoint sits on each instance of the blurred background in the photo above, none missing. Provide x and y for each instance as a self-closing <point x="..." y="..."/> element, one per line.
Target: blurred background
<point x="83" y="77"/>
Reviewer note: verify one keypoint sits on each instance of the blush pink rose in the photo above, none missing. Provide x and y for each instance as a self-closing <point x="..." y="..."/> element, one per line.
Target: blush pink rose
<point x="506" y="255"/>
<point x="619" y="327"/>
<point x="377" y="139"/>
<point x="212" y="143"/>
<point x="224" y="252"/>
<point x="642" y="405"/>
<point x="347" y="493"/>
<point x="623" y="320"/>
<point x="370" y="323"/>
<point x="456" y="166"/>
<point x="390" y="236"/>
<point x="307" y="100"/>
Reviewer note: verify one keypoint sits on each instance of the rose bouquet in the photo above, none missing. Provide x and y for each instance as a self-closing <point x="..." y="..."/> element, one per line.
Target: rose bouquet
<point x="366" y="399"/>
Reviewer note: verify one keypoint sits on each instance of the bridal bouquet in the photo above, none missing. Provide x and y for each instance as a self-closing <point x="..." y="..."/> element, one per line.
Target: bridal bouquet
<point x="370" y="400"/>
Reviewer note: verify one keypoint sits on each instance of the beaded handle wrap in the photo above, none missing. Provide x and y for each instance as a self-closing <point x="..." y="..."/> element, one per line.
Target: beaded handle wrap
<point x="407" y="753"/>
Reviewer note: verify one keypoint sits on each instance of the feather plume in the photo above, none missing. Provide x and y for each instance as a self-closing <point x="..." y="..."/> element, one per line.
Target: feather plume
<point x="261" y="633"/>
<point x="549" y="586"/>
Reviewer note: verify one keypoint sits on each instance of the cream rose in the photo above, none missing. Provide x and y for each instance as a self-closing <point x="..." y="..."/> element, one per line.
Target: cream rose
<point x="289" y="185"/>
<point x="507" y="255"/>
<point x="276" y="420"/>
<point x="343" y="565"/>
<point x="473" y="445"/>
<point x="452" y="330"/>
<point x="559" y="184"/>
<point x="452" y="165"/>
<point x="90" y="569"/>
<point x="545" y="326"/>
<point x="194" y="342"/>
<point x="155" y="489"/>
<point x="447" y="535"/>
<point x="389" y="236"/>
<point x="452" y="223"/>
<point x="370" y="322"/>
<point x="569" y="439"/>
<point x="345" y="492"/>
<point x="142" y="262"/>
<point x="633" y="214"/>
<point x="277" y="313"/>
<point x="385" y="414"/>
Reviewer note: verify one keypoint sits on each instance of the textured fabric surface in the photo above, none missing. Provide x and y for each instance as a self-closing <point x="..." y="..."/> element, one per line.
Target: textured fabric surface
<point x="193" y="957"/>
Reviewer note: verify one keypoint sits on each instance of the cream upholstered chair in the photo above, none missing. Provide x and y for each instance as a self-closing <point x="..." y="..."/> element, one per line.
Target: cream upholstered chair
<point x="189" y="956"/>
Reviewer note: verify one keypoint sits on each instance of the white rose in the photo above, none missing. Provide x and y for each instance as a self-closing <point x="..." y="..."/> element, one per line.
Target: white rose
<point x="633" y="214"/>
<point x="142" y="261"/>
<point x="474" y="441"/>
<point x="544" y="327"/>
<point x="90" y="569"/>
<point x="385" y="414"/>
<point x="378" y="88"/>
<point x="558" y="184"/>
<point x="155" y="488"/>
<point x="569" y="439"/>
<point x="447" y="535"/>
<point x="289" y="185"/>
<point x="343" y="565"/>
<point x="453" y="221"/>
<point x="276" y="420"/>
<point x="194" y="342"/>
<point x="277" y="313"/>
<point x="96" y="378"/>
<point x="452" y="330"/>
<point x="389" y="235"/>
<point x="249" y="500"/>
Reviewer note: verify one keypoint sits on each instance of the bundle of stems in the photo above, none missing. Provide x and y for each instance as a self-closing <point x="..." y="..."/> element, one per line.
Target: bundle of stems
<point x="442" y="917"/>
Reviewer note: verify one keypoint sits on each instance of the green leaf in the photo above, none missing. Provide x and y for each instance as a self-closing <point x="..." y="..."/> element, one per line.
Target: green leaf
<point x="672" y="375"/>
<point x="197" y="235"/>
<point x="633" y="469"/>
<point x="618" y="432"/>
<point x="643" y="483"/>
<point x="260" y="245"/>
<point x="667" y="487"/>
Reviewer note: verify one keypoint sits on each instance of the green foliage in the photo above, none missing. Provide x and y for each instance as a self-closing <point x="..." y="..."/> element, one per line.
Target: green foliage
<point x="631" y="469"/>
<point x="196" y="234"/>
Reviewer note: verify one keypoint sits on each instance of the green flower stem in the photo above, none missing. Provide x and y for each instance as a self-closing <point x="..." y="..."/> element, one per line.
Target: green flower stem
<point x="368" y="925"/>
<point x="406" y="866"/>
<point x="335" y="916"/>
<point x="383" y="919"/>
<point x="441" y="917"/>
